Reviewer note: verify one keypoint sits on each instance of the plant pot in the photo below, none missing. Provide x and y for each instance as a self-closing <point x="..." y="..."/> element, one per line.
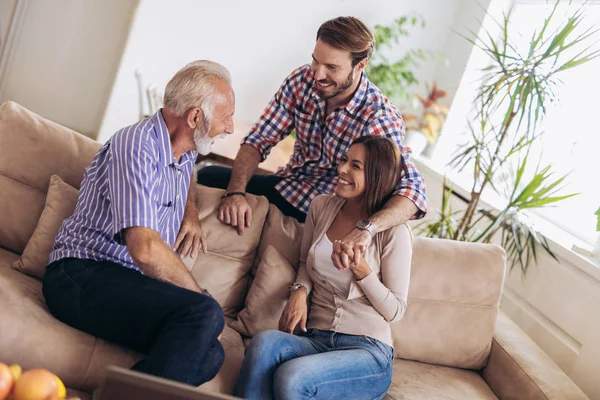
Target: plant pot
<point x="597" y="246"/>
<point x="430" y="148"/>
<point x="415" y="140"/>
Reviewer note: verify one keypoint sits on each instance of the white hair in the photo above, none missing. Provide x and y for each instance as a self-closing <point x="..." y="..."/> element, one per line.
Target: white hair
<point x="194" y="86"/>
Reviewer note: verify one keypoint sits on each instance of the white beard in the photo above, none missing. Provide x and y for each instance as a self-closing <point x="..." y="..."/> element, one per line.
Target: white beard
<point x="204" y="143"/>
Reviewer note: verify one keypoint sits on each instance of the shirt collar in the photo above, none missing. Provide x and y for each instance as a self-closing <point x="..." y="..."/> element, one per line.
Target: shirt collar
<point x="165" y="149"/>
<point x="355" y="102"/>
<point x="359" y="96"/>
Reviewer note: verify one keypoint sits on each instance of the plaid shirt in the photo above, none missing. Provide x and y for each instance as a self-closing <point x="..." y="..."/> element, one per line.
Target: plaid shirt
<point x="322" y="142"/>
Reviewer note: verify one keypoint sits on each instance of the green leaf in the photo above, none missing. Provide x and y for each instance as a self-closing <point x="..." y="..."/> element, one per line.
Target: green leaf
<point x="575" y="62"/>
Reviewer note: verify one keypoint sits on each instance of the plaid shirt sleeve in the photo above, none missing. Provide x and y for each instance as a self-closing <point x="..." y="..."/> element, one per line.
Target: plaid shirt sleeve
<point x="277" y="121"/>
<point x="411" y="184"/>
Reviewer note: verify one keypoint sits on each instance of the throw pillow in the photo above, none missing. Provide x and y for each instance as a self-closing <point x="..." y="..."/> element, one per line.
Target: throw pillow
<point x="60" y="204"/>
<point x="267" y="295"/>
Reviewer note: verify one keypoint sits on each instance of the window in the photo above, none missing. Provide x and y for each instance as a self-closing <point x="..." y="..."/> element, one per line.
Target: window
<point x="571" y="138"/>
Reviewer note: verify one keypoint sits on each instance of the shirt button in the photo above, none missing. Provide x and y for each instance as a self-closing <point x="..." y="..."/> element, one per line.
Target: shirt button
<point x="323" y="281"/>
<point x="178" y="172"/>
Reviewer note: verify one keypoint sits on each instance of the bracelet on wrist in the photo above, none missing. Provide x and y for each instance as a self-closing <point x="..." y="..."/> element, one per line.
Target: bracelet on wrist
<point x="297" y="286"/>
<point x="226" y="195"/>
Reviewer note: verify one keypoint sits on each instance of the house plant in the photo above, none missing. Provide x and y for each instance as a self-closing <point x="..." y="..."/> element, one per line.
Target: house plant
<point x="396" y="78"/>
<point x="423" y="129"/>
<point x="512" y="100"/>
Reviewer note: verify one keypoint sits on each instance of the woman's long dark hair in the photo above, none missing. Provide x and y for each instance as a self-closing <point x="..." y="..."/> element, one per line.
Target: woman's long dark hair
<point x="383" y="169"/>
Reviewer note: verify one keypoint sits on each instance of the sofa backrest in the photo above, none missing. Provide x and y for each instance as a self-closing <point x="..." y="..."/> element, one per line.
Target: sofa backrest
<point x="32" y="149"/>
<point x="453" y="299"/>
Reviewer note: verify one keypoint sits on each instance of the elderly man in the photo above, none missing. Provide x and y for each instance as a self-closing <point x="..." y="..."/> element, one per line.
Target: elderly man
<point x="114" y="272"/>
<point x="329" y="103"/>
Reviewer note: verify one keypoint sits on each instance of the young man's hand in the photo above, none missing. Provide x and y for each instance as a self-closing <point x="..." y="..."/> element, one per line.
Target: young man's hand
<point x="353" y="255"/>
<point x="350" y="249"/>
<point x="235" y="211"/>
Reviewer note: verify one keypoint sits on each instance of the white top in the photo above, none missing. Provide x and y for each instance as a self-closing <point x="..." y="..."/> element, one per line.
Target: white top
<point x="339" y="280"/>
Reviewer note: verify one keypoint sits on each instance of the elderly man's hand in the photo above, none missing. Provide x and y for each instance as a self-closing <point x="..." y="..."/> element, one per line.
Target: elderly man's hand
<point x="235" y="211"/>
<point x="190" y="237"/>
<point x="350" y="249"/>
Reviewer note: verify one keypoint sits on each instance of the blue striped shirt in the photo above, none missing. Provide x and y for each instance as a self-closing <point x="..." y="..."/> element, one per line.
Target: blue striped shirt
<point x="134" y="180"/>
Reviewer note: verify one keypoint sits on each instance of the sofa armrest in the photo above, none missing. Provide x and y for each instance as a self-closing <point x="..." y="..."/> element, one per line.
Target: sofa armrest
<point x="519" y="369"/>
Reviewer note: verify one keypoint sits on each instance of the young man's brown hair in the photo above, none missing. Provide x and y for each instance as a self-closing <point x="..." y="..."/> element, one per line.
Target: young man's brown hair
<point x="349" y="34"/>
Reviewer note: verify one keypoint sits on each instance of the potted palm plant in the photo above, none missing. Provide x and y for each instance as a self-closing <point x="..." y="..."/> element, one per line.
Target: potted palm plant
<point x="511" y="102"/>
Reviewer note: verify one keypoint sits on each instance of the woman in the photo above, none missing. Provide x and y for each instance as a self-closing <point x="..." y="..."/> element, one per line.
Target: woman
<point x="347" y="351"/>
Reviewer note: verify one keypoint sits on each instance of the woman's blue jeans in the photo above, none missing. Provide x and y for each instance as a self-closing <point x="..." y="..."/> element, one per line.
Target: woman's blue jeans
<point x="317" y="365"/>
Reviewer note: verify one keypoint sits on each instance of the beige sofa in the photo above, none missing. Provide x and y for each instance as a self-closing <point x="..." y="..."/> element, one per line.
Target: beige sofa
<point x="452" y="343"/>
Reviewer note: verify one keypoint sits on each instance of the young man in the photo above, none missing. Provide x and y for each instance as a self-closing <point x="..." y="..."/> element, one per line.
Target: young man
<point x="113" y="272"/>
<point x="330" y="103"/>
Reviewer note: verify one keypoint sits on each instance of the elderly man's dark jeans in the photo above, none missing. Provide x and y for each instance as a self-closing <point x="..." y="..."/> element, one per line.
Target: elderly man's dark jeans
<point x="175" y="328"/>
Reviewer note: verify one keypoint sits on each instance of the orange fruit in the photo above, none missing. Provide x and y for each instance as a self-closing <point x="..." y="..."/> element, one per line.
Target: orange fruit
<point x="16" y="371"/>
<point x="39" y="384"/>
<point x="6" y="381"/>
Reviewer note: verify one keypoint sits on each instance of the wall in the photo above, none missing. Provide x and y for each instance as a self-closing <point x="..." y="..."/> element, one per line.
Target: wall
<point x="556" y="303"/>
<point x="7" y="8"/>
<point x="64" y="58"/>
<point x="261" y="42"/>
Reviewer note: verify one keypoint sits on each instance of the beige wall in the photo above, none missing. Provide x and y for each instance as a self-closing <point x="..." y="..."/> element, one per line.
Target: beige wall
<point x="64" y="58"/>
<point x="7" y="8"/>
<point x="68" y="61"/>
<point x="262" y="41"/>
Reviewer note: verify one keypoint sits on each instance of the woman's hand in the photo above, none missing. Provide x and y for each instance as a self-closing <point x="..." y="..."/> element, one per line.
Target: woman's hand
<point x="295" y="312"/>
<point x="353" y="256"/>
<point x="360" y="270"/>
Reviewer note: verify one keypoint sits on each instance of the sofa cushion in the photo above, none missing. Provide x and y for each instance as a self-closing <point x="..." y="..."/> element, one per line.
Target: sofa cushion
<point x="60" y="204"/>
<point x="453" y="299"/>
<point x="284" y="234"/>
<point x="224" y="271"/>
<point x="33" y="338"/>
<point x="267" y="295"/>
<point x="31" y="150"/>
<point x="417" y="381"/>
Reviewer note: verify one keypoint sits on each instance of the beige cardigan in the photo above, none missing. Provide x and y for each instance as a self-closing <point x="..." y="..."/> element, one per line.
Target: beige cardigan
<point x="372" y="303"/>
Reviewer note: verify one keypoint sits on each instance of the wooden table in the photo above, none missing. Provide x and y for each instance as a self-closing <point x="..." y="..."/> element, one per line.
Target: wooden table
<point x="225" y="150"/>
